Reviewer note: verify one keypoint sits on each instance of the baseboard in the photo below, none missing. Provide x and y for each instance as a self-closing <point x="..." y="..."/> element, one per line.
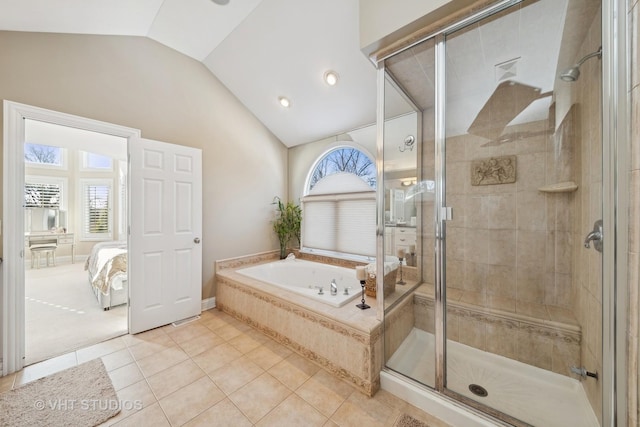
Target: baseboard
<point x="209" y="303"/>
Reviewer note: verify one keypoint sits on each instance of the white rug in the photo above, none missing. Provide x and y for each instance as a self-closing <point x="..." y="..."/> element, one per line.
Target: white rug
<point x="79" y="396"/>
<point x="62" y="314"/>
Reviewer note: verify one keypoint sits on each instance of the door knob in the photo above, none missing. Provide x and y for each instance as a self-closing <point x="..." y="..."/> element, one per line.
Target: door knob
<point x="595" y="236"/>
<point x="196" y="240"/>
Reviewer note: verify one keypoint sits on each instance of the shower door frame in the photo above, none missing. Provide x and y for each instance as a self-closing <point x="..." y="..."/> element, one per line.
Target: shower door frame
<point x="615" y="203"/>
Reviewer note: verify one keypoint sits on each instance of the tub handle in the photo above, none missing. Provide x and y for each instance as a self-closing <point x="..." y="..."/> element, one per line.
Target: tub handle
<point x="320" y="290"/>
<point x="346" y="290"/>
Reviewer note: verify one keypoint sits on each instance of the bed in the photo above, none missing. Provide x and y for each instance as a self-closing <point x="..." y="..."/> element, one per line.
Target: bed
<point x="107" y="270"/>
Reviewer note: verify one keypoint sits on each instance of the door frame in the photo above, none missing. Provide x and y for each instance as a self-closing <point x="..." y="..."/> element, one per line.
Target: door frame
<point x="616" y="125"/>
<point x="12" y="322"/>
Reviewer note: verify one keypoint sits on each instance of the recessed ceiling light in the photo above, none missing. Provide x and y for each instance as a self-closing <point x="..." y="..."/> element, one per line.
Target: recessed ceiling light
<point x="221" y="2"/>
<point x="284" y="101"/>
<point x="331" y="78"/>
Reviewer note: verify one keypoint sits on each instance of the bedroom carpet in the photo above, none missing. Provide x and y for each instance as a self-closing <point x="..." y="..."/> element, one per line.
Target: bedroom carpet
<point x="78" y="396"/>
<point x="62" y="314"/>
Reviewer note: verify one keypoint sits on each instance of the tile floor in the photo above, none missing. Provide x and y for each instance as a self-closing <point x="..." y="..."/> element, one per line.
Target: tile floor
<point x="219" y="371"/>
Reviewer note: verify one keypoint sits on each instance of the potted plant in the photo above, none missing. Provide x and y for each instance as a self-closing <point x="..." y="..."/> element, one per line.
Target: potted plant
<point x="287" y="224"/>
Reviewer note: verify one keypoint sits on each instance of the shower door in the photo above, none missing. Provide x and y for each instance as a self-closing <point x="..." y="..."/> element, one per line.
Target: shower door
<point x="505" y="312"/>
<point x="523" y="178"/>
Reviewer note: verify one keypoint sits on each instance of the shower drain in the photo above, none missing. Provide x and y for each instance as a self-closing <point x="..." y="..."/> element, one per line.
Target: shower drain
<point x="478" y="390"/>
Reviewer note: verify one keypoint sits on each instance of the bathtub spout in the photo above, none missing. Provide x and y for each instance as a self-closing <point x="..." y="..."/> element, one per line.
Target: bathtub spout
<point x="334" y="287"/>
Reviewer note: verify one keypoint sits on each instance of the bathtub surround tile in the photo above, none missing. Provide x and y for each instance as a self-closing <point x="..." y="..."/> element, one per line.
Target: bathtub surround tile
<point x="345" y="347"/>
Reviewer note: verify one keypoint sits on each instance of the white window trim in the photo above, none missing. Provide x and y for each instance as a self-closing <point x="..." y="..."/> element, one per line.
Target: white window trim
<point x="88" y="237"/>
<point x="63" y="158"/>
<point x="61" y="181"/>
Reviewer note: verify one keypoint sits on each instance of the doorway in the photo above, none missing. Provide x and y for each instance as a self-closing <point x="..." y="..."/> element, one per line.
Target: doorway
<point x="75" y="220"/>
<point x="64" y="249"/>
<point x="163" y="186"/>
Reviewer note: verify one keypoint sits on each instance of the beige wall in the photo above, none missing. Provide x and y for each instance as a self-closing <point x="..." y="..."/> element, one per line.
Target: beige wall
<point x="383" y="22"/>
<point x="137" y="82"/>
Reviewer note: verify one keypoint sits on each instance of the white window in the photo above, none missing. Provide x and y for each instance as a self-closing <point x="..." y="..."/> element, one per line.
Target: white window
<point x="95" y="162"/>
<point x="343" y="159"/>
<point x="96" y="196"/>
<point x="339" y="218"/>
<point x="45" y="156"/>
<point x="43" y="192"/>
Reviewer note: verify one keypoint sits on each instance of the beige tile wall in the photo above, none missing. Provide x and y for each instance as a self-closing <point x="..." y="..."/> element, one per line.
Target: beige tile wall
<point x="511" y="240"/>
<point x="587" y="264"/>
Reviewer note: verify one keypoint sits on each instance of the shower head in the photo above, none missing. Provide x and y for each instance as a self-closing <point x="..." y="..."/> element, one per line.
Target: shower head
<point x="572" y="73"/>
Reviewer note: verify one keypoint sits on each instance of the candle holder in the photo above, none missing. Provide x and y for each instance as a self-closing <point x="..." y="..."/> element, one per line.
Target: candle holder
<point x="362" y="305"/>
<point x="401" y="281"/>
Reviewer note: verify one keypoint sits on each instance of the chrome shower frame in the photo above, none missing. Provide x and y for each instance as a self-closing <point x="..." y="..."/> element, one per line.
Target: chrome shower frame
<point x="615" y="58"/>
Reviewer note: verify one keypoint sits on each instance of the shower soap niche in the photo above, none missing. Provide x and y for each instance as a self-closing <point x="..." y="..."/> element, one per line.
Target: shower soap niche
<point x="560" y="187"/>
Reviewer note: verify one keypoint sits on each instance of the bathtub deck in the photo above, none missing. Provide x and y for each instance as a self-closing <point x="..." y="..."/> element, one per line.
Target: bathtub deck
<point x="345" y="341"/>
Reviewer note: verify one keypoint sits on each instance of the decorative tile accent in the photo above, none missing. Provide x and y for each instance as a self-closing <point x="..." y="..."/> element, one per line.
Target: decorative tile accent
<point x="494" y="170"/>
<point x="284" y="319"/>
<point x="562" y="340"/>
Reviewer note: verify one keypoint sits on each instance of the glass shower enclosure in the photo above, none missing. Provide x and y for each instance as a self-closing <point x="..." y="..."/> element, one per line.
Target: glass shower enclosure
<point x="492" y="167"/>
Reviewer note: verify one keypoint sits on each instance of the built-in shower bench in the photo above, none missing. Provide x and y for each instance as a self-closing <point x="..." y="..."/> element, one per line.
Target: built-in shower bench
<point x="544" y="336"/>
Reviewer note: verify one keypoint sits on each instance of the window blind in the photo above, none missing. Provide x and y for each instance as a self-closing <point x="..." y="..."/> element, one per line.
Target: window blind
<point x="97" y="209"/>
<point x="38" y="195"/>
<point x="342" y="222"/>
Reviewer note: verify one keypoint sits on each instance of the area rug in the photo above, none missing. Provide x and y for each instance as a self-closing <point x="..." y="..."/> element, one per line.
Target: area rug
<point x="406" y="420"/>
<point x="78" y="396"/>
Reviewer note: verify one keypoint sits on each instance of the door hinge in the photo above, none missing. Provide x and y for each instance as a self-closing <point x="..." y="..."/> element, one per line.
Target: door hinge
<point x="446" y="212"/>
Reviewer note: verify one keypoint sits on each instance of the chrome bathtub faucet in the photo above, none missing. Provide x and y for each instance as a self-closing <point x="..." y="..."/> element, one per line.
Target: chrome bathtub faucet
<point x="334" y="287"/>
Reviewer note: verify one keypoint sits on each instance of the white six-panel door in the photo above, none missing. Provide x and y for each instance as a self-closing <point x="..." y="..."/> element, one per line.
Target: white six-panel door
<point x="165" y="251"/>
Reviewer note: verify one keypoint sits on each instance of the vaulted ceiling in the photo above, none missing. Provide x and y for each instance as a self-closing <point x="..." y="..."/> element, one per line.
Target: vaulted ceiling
<point x="260" y="49"/>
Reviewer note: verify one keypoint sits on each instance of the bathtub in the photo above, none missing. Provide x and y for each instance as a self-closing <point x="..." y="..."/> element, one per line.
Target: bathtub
<point x="308" y="278"/>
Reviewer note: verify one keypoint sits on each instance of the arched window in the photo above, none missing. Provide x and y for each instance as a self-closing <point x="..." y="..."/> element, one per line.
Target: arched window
<point x="343" y="159"/>
<point x="339" y="208"/>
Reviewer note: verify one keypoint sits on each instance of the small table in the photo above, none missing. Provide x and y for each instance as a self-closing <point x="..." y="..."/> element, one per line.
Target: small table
<point x="55" y="239"/>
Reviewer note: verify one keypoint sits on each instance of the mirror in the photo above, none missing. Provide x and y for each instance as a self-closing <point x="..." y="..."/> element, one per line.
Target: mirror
<point x="44" y="219"/>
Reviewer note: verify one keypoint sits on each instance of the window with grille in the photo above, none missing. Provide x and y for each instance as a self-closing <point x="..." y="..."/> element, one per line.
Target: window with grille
<point x="42" y="195"/>
<point x="96" y="204"/>
<point x="339" y="217"/>
<point x="41" y="155"/>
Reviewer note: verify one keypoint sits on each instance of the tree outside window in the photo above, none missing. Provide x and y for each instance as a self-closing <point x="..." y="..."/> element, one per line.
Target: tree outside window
<point x="42" y="154"/>
<point x="346" y="159"/>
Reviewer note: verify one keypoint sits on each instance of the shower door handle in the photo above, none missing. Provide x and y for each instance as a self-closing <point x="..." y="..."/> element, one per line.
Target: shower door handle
<point x="595" y="236"/>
